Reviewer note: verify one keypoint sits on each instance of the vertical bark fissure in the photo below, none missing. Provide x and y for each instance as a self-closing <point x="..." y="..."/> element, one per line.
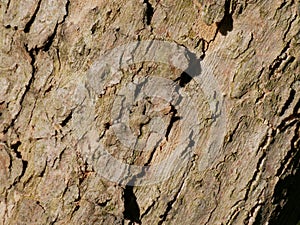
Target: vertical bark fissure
<point x="27" y="88"/>
<point x="226" y="24"/>
<point x="283" y="167"/>
<point x="279" y="59"/>
<point x="131" y="207"/>
<point x="15" y="148"/>
<point x="171" y="203"/>
<point x="287" y="190"/>
<point x="148" y="210"/>
<point x="149" y="11"/>
<point x="7" y="5"/>
<point x="31" y="20"/>
<point x="288" y="102"/>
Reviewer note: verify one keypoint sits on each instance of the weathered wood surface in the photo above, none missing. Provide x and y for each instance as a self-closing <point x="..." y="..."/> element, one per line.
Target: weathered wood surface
<point x="56" y="107"/>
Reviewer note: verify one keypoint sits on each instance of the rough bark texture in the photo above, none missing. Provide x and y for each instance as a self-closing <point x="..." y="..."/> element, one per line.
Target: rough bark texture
<point x="47" y="48"/>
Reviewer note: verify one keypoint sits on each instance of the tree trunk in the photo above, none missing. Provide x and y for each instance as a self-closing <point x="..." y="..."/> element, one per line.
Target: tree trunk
<point x="150" y="112"/>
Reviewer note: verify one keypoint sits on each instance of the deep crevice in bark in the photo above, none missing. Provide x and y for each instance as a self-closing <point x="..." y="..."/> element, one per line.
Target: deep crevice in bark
<point x="297" y="107"/>
<point x="131" y="207"/>
<point x="287" y="190"/>
<point x="67" y="119"/>
<point x="67" y="12"/>
<point x="259" y="218"/>
<point x="170" y="204"/>
<point x="251" y="214"/>
<point x="279" y="60"/>
<point x="288" y="102"/>
<point x="148" y="210"/>
<point x="193" y="70"/>
<point x="288" y="121"/>
<point x="226" y="24"/>
<point x="31" y="21"/>
<point x="50" y="39"/>
<point x="289" y="61"/>
<point x="184" y="79"/>
<point x="15" y="148"/>
<point x="174" y="119"/>
<point x="290" y="153"/>
<point x="7" y="5"/>
<point x="27" y="86"/>
<point x="149" y="12"/>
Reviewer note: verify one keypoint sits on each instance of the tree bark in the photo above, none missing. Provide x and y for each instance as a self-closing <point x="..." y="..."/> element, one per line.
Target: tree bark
<point x="72" y="70"/>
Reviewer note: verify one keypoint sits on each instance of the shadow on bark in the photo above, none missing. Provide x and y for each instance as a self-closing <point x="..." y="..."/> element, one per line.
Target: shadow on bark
<point x="132" y="210"/>
<point x="287" y="196"/>
<point x="226" y="24"/>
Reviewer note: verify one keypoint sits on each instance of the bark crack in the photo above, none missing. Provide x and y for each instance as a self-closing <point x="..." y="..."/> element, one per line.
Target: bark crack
<point x="252" y="216"/>
<point x="147" y="210"/>
<point x="173" y="119"/>
<point x="275" y="65"/>
<point x="288" y="121"/>
<point x="288" y="102"/>
<point x="131" y="207"/>
<point x="286" y="193"/>
<point x="67" y="12"/>
<point x="233" y="215"/>
<point x="27" y="88"/>
<point x="15" y="148"/>
<point x="256" y="175"/>
<point x="149" y="11"/>
<point x="193" y="70"/>
<point x="50" y="39"/>
<point x="226" y="24"/>
<point x="240" y="204"/>
<point x="293" y="150"/>
<point x="7" y="6"/>
<point x="171" y="203"/>
<point x="289" y="27"/>
<point x="30" y="22"/>
<point x="67" y="119"/>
